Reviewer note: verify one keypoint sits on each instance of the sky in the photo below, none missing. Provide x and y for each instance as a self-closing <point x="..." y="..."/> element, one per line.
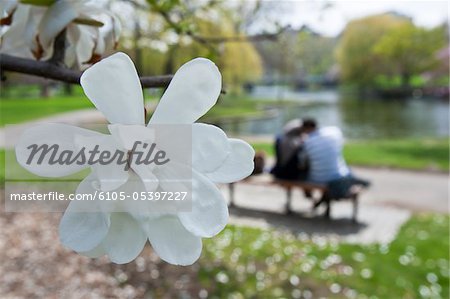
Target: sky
<point x="332" y="20"/>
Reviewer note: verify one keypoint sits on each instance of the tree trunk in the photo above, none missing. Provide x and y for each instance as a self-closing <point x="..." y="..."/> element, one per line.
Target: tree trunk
<point x="406" y="78"/>
<point x="45" y="89"/>
<point x="68" y="90"/>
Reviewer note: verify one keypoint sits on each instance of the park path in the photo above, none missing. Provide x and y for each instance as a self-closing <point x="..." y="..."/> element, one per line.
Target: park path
<point x="384" y="207"/>
<point x="389" y="202"/>
<point x="9" y="135"/>
<point x="393" y="196"/>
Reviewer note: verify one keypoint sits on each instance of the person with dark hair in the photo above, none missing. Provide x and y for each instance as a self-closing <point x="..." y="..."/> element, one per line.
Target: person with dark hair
<point x="288" y="146"/>
<point x="309" y="125"/>
<point x="323" y="151"/>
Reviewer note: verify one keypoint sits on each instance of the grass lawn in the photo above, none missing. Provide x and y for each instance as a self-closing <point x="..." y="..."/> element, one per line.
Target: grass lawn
<point x="247" y="107"/>
<point x="409" y="154"/>
<point x="245" y="262"/>
<point x="416" y="154"/>
<point x="13" y="111"/>
<point x="16" y="110"/>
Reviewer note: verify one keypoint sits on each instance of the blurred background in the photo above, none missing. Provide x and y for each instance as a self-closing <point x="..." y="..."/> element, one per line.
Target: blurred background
<point x="379" y="70"/>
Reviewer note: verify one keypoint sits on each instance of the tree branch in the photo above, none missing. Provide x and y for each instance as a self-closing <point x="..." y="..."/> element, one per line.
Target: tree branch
<point x="207" y="40"/>
<point x="238" y="38"/>
<point x="55" y="72"/>
<point x="59" y="49"/>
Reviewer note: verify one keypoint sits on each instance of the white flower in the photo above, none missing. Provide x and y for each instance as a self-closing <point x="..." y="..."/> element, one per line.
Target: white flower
<point x="7" y="8"/>
<point x="113" y="86"/>
<point x="91" y="31"/>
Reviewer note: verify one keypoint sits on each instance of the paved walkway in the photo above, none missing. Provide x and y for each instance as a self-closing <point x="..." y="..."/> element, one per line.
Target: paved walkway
<point x="394" y="194"/>
<point x="384" y="207"/>
<point x="10" y="134"/>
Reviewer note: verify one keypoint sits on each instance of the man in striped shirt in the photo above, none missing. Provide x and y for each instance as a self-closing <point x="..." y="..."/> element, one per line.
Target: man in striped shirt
<point x="323" y="151"/>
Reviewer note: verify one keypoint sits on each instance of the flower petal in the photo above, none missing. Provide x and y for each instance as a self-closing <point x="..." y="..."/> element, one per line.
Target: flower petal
<point x="125" y="239"/>
<point x="113" y="86"/>
<point x="80" y="229"/>
<point x="174" y="177"/>
<point x="141" y="210"/>
<point x="7" y="9"/>
<point x="81" y="44"/>
<point x="209" y="213"/>
<point x="193" y="90"/>
<point x="96" y="252"/>
<point x="238" y="164"/>
<point x="19" y="39"/>
<point x="55" y="19"/>
<point x="62" y="137"/>
<point x="145" y="172"/>
<point x="128" y="135"/>
<point x="172" y="242"/>
<point x="210" y="147"/>
<point x="111" y="175"/>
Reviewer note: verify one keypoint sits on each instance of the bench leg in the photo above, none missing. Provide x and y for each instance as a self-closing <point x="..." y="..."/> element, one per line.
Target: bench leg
<point x="326" y="199"/>
<point x="328" y="208"/>
<point x="317" y="204"/>
<point x="288" y="200"/>
<point x="231" y="193"/>
<point x="355" y="208"/>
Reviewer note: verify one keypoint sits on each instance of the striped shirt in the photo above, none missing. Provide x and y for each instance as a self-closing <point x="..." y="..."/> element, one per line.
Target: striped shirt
<point x="323" y="149"/>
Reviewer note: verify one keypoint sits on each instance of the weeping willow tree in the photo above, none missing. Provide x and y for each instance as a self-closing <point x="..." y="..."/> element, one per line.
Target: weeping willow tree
<point x="238" y="61"/>
<point x="169" y="33"/>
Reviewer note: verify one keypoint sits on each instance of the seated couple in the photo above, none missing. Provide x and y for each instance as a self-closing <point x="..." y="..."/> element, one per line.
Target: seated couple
<point x="308" y="153"/>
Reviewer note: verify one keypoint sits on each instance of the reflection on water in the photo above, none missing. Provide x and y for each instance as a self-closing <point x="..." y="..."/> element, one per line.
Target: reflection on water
<point x="358" y="118"/>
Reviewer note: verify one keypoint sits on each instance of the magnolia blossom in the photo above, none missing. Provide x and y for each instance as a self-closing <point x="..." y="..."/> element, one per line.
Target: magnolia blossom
<point x="90" y="30"/>
<point x="6" y="10"/>
<point x="113" y="86"/>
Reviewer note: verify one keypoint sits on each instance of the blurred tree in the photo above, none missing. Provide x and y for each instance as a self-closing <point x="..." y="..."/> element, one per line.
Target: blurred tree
<point x="354" y="53"/>
<point x="174" y="32"/>
<point x="315" y="53"/>
<point x="299" y="56"/>
<point x="280" y="61"/>
<point x="239" y="61"/>
<point x="408" y="50"/>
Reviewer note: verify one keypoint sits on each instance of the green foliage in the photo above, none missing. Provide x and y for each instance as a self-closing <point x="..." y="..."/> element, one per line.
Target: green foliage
<point x="280" y="57"/>
<point x="418" y="154"/>
<point x="153" y="62"/>
<point x="244" y="262"/>
<point x="238" y="62"/>
<point x="164" y="9"/>
<point x="37" y="2"/>
<point x="190" y="31"/>
<point x="297" y="54"/>
<point x="315" y="53"/>
<point x="88" y="22"/>
<point x="354" y="52"/>
<point x="408" y="50"/>
<point x="381" y="48"/>
<point x="393" y="81"/>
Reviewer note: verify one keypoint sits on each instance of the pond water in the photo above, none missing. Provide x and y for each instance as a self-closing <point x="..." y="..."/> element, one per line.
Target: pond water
<point x="358" y="118"/>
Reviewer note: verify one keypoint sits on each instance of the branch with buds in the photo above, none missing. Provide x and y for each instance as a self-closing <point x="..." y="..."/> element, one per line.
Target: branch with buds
<point x="56" y="72"/>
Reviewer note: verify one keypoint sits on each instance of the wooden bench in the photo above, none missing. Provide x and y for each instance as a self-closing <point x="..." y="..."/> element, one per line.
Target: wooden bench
<point x="289" y="185"/>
